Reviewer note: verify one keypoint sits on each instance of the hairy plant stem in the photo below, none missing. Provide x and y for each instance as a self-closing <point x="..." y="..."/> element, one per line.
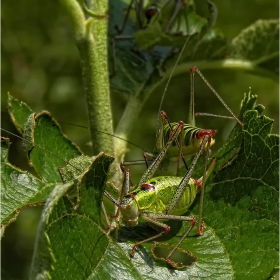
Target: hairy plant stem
<point x="91" y="39"/>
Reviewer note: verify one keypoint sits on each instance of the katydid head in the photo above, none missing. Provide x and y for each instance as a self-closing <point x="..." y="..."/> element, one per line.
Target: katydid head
<point x="201" y="133"/>
<point x="151" y="11"/>
<point x="129" y="210"/>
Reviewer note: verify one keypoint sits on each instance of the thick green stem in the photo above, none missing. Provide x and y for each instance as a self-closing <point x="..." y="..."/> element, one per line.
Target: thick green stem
<point x="93" y="52"/>
<point x="128" y="119"/>
<point x="91" y="39"/>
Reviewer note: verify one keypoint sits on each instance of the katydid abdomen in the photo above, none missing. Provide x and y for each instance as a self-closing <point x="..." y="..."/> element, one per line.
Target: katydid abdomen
<point x="191" y="140"/>
<point x="154" y="195"/>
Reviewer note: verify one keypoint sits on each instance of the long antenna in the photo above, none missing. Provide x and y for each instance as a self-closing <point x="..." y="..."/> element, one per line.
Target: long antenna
<point x="106" y="133"/>
<point x="36" y="145"/>
<point x="168" y="81"/>
<point x="103" y="132"/>
<point x="211" y="21"/>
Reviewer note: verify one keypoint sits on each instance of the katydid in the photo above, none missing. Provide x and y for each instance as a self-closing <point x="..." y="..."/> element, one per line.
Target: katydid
<point x="167" y="12"/>
<point x="158" y="18"/>
<point x="164" y="197"/>
<point x="187" y="140"/>
<point x="165" y="189"/>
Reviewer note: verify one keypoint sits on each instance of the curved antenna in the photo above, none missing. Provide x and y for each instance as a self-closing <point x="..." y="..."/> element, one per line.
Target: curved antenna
<point x="100" y="131"/>
<point x="211" y="21"/>
<point x="106" y="133"/>
<point x="36" y="145"/>
<point x="168" y="81"/>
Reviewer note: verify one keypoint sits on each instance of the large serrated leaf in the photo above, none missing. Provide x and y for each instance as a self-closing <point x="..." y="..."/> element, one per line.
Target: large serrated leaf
<point x="51" y="150"/>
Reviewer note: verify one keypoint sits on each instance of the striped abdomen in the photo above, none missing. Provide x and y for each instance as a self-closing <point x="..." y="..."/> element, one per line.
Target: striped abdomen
<point x="191" y="139"/>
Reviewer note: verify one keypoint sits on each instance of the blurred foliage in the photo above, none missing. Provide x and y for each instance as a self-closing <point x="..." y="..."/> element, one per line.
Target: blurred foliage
<point x="40" y="65"/>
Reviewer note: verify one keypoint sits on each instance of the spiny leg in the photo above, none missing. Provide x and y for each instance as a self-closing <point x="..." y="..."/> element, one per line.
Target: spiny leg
<point x="200" y="184"/>
<point x="124" y="191"/>
<point x="107" y="230"/>
<point x="153" y="218"/>
<point x="120" y="30"/>
<point x="138" y="162"/>
<point x="193" y="70"/>
<point x="184" y="182"/>
<point x="155" y="164"/>
<point x="213" y="115"/>
<point x="178" y="143"/>
<point x="200" y="225"/>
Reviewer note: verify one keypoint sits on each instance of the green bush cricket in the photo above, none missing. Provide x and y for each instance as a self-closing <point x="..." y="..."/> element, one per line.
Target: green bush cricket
<point x="164" y="197"/>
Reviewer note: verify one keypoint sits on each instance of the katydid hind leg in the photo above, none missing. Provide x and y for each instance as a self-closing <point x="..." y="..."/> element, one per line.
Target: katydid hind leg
<point x="178" y="143"/>
<point x="154" y="166"/>
<point x="200" y="225"/>
<point x="194" y="69"/>
<point x="153" y="218"/>
<point x="184" y="182"/>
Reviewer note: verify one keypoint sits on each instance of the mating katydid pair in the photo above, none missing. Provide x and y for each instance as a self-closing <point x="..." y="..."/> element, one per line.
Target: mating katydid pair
<point x="168" y="197"/>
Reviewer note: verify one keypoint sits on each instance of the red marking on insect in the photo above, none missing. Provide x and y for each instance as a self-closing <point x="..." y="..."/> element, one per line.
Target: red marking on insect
<point x="198" y="183"/>
<point x="147" y="187"/>
<point x="203" y="132"/>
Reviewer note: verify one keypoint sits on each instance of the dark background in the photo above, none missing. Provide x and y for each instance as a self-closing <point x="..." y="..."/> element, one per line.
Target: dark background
<point x="40" y="66"/>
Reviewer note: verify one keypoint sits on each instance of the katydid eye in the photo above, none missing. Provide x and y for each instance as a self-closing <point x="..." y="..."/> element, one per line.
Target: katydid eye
<point x="148" y="187"/>
<point x="151" y="11"/>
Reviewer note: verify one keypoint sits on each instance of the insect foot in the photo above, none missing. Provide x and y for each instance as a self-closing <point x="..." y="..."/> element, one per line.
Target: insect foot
<point x="201" y="229"/>
<point x="180" y="259"/>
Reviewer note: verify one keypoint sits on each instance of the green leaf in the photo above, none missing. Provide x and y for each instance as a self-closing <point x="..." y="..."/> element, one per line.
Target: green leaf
<point x="78" y="235"/>
<point x="136" y="65"/>
<point x="19" y="112"/>
<point x="51" y="149"/>
<point x="259" y="45"/>
<point x="242" y="202"/>
<point x="48" y="150"/>
<point x="240" y="210"/>
<point x="19" y="189"/>
<point x="255" y="49"/>
<point x="147" y="38"/>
